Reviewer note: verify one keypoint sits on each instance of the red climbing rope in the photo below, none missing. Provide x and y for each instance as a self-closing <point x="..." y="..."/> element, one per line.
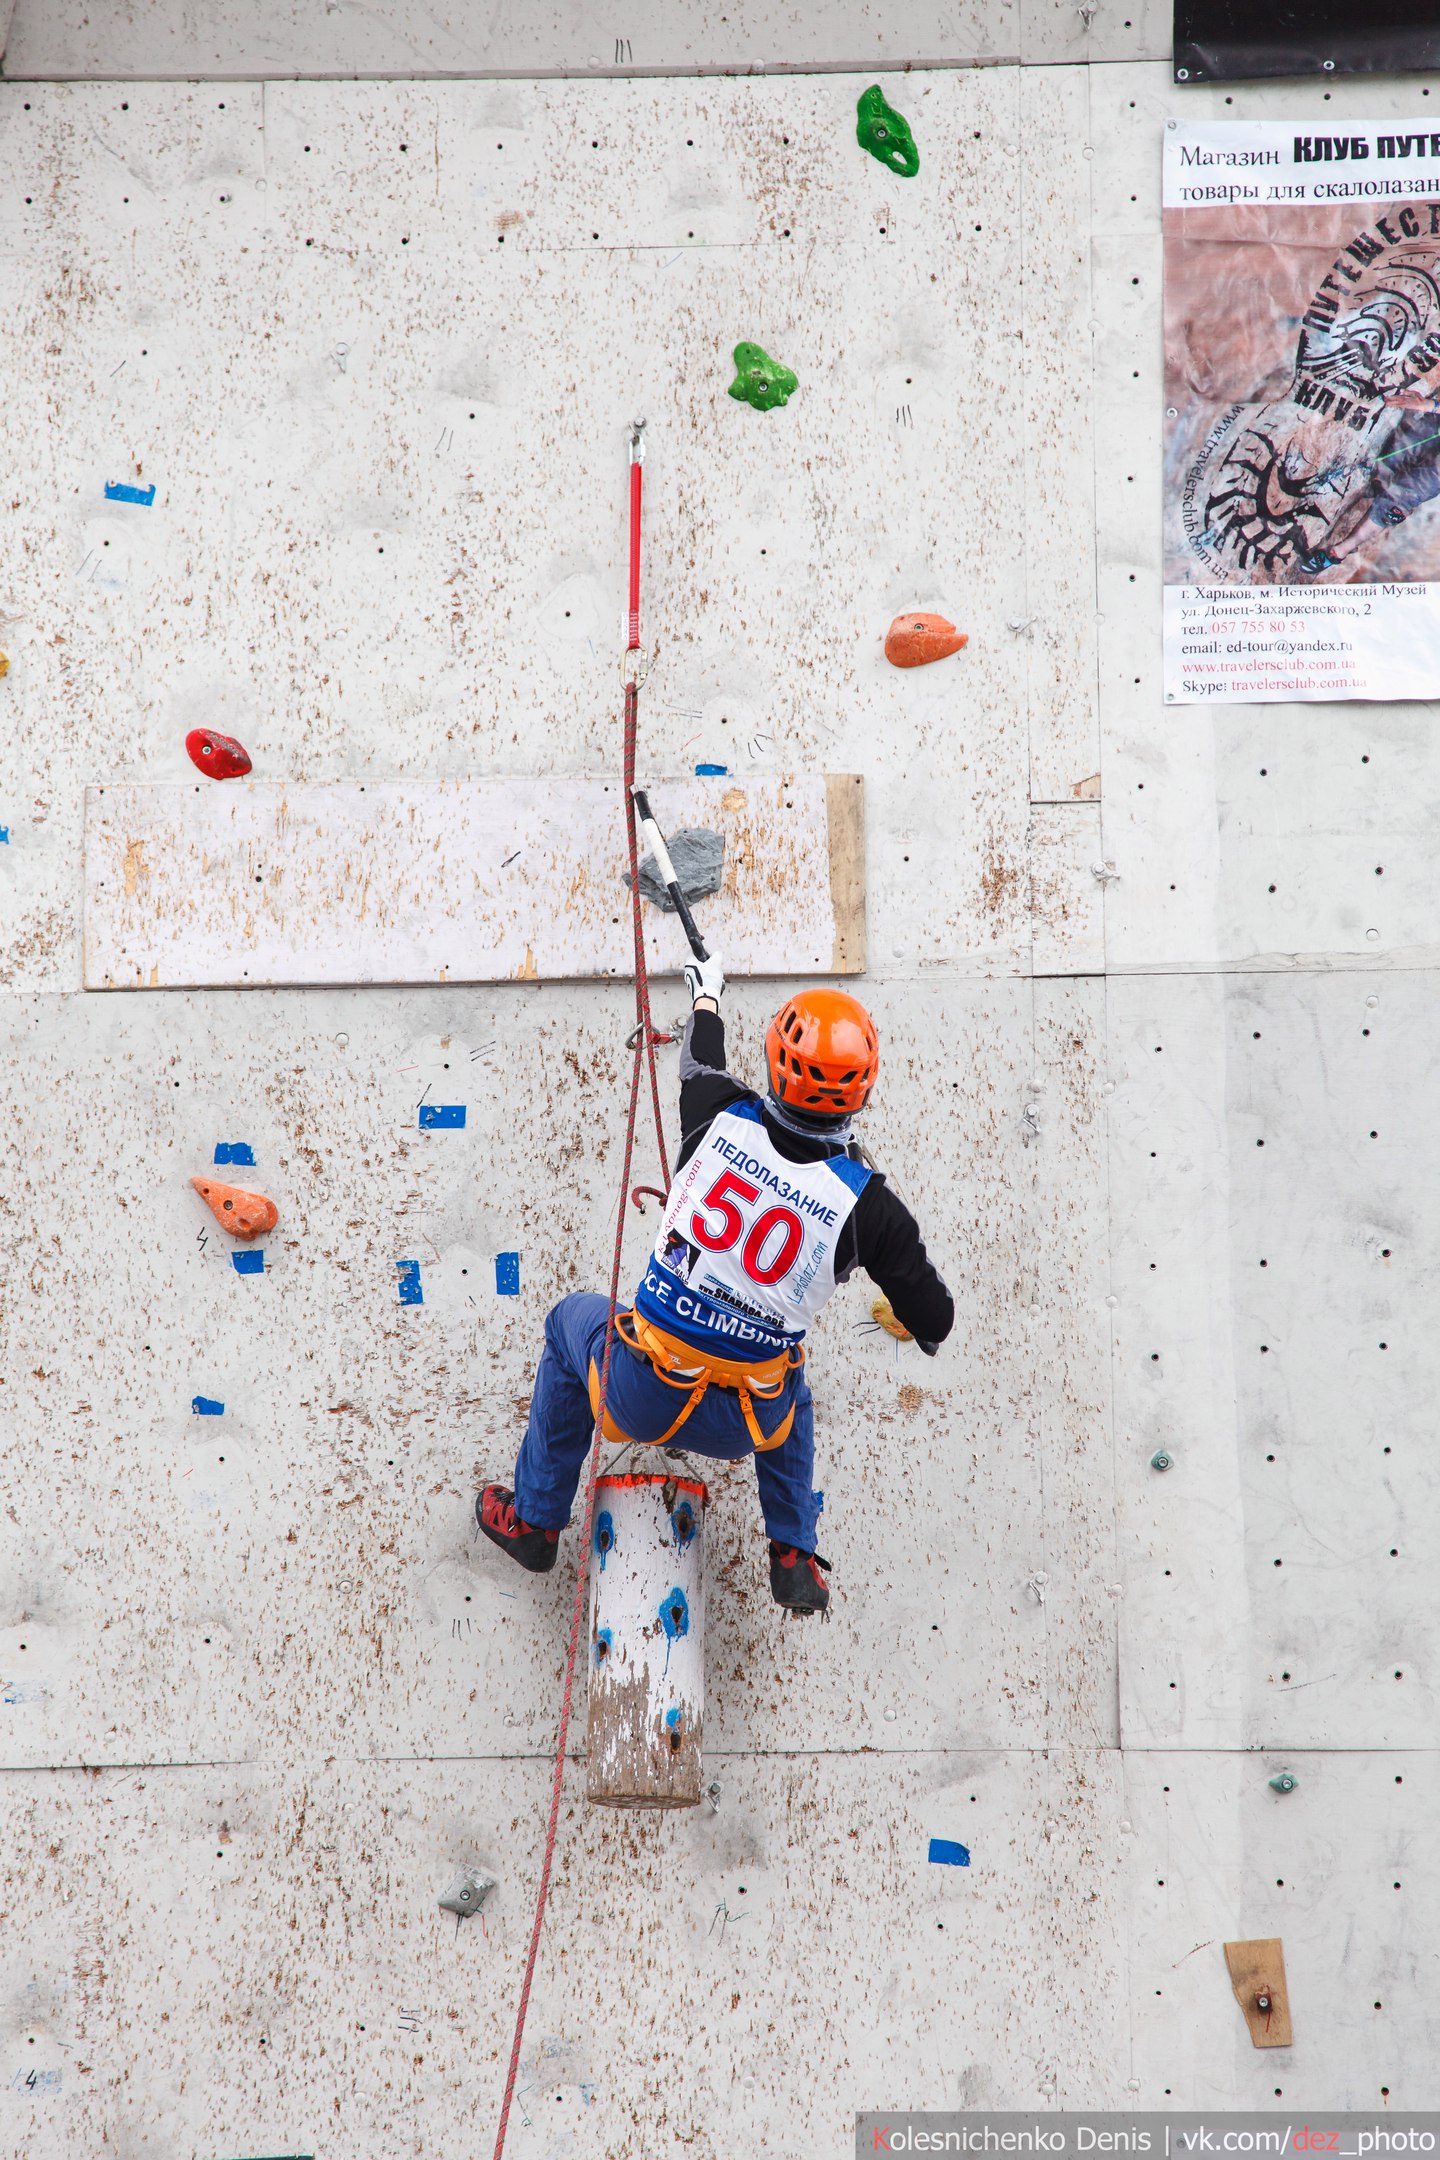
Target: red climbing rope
<point x="644" y="1042"/>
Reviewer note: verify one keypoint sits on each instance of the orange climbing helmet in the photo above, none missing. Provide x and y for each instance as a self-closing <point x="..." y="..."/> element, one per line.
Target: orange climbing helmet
<point x="823" y="1053"/>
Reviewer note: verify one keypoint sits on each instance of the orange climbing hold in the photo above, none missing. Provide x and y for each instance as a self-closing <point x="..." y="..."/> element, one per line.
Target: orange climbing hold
<point x="911" y="640"/>
<point x="243" y="1214"/>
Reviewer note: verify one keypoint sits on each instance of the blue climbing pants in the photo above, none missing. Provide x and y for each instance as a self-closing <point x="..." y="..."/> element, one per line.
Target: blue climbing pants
<point x="557" y="1439"/>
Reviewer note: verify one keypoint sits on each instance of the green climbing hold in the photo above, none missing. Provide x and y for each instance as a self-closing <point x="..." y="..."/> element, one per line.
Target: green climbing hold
<point x="761" y="381"/>
<point x="1285" y="1782"/>
<point x="885" y="133"/>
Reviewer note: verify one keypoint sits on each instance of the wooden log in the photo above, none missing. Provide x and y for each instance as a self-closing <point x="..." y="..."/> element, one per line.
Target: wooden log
<point x="647" y="1643"/>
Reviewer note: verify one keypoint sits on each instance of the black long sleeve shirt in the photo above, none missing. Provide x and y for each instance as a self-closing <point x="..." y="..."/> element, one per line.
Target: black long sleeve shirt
<point x="881" y="1235"/>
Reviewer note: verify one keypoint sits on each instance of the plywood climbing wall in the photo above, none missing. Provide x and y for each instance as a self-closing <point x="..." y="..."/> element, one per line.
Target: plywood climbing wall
<point x="456" y="881"/>
<point x="1153" y="995"/>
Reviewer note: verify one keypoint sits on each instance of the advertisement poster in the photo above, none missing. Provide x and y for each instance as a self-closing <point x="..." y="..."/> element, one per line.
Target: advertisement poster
<point x="1302" y="411"/>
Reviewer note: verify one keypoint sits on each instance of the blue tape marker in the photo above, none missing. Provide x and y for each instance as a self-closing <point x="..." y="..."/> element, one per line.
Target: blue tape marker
<point x="711" y="772"/>
<point x="682" y="1523"/>
<point x="675" y="1614"/>
<point x="4" y="836"/>
<point x="235" y="1151"/>
<point x="19" y="1691"/>
<point x="206" y="1406"/>
<point x="604" y="1644"/>
<point x="410" y="1290"/>
<point x="121" y="491"/>
<point x="944" y="1852"/>
<point x="442" y="1117"/>
<point x="604" y="1539"/>
<point x="507" y="1274"/>
<point x="673" y="1720"/>
<point x="248" y="1263"/>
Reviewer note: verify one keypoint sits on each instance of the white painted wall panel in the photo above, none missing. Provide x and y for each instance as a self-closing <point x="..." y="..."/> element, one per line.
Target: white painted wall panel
<point x="1274" y="1268"/>
<point x="379" y="495"/>
<point x="329" y="2005"/>
<point x="1340" y="1869"/>
<point x="279" y="38"/>
<point x="162" y="38"/>
<point x="196" y="1566"/>
<point x="1056" y="616"/>
<point x="1185" y="1616"/>
<point x="1070" y="1366"/>
<point x="1056" y="31"/>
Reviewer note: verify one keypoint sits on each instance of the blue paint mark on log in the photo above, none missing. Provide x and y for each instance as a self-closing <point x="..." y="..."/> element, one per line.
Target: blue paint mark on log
<point x="675" y="1614"/>
<point x="4" y="836"/>
<point x="672" y="1719"/>
<point x="410" y="1290"/>
<point x="206" y="1406"/>
<point x="604" y="1535"/>
<point x="604" y="1644"/>
<point x="711" y="772"/>
<point x="682" y="1523"/>
<point x="248" y="1263"/>
<point x="235" y="1151"/>
<point x="507" y="1274"/>
<point x="442" y="1117"/>
<point x="944" y="1852"/>
<point x="121" y="491"/>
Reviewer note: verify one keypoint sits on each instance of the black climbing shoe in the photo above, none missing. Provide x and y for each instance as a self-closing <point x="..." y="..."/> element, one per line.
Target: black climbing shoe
<point x="795" y="1579"/>
<point x="495" y="1513"/>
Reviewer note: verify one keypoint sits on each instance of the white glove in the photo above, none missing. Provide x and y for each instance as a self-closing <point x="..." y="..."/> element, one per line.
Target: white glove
<point x="705" y="978"/>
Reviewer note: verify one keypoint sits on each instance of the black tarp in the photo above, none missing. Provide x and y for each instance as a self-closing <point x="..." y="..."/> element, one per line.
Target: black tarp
<point x="1231" y="40"/>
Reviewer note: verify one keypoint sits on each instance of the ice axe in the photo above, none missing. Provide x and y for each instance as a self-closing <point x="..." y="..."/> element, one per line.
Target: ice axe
<point x="655" y="840"/>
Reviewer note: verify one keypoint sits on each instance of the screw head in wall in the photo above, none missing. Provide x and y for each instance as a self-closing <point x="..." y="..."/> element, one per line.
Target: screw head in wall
<point x="1161" y="1459"/>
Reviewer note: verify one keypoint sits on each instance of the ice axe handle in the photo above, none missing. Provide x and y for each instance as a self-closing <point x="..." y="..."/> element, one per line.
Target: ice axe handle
<point x="655" y="840"/>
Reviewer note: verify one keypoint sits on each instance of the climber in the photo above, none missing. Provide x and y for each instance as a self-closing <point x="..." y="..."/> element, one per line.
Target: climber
<point x="769" y="1209"/>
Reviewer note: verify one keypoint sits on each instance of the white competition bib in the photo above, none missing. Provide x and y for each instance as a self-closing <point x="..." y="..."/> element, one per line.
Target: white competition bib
<point x="745" y="1254"/>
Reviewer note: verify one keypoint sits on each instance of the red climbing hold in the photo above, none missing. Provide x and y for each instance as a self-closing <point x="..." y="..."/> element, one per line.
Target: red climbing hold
<point x="243" y="1214"/>
<point x="219" y="755"/>
<point x="911" y="640"/>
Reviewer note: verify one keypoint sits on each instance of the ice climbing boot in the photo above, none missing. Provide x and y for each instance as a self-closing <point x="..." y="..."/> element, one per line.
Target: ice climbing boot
<point x="495" y="1513"/>
<point x="795" y="1579"/>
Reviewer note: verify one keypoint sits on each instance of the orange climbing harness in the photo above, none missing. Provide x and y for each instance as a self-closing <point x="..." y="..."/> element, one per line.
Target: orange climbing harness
<point x="680" y="1365"/>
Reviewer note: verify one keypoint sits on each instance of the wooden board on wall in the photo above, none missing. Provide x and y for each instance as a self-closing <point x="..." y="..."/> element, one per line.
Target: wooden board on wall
<point x="487" y="880"/>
